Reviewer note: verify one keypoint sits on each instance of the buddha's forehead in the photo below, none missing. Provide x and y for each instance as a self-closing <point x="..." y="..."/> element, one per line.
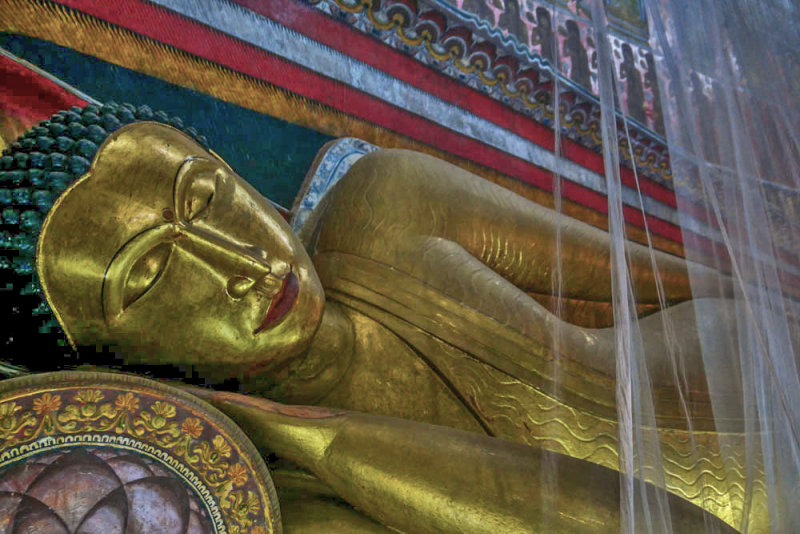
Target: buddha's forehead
<point x="129" y="185"/>
<point x="133" y="175"/>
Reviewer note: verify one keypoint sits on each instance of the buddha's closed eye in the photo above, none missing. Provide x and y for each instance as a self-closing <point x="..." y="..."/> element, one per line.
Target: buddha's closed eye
<point x="145" y="273"/>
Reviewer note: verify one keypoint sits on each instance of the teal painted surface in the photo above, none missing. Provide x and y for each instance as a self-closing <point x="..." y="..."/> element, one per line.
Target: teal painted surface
<point x="271" y="154"/>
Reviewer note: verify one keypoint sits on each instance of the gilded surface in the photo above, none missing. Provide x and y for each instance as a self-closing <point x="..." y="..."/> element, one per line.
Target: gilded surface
<point x="561" y="410"/>
<point x="416" y="308"/>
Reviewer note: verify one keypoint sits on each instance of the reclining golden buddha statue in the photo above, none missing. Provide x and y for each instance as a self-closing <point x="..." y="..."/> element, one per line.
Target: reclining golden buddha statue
<point x="418" y="326"/>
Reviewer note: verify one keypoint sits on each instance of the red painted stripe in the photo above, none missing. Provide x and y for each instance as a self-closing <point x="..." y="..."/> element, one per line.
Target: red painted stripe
<point x="30" y="97"/>
<point x="338" y="35"/>
<point x="185" y="34"/>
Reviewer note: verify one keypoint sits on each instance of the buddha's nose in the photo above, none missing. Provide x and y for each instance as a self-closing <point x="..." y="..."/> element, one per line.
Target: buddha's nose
<point x="257" y="252"/>
<point x="277" y="267"/>
<point x="268" y="280"/>
<point x="239" y="286"/>
<point x="271" y="283"/>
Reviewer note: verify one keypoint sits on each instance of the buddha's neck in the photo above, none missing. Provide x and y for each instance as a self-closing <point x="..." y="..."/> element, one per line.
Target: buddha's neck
<point x="311" y="375"/>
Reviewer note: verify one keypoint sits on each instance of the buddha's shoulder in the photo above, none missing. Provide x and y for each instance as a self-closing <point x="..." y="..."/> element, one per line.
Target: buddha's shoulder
<point x="405" y="170"/>
<point x="401" y="159"/>
<point x="385" y="190"/>
<point x="394" y="188"/>
<point x="391" y="200"/>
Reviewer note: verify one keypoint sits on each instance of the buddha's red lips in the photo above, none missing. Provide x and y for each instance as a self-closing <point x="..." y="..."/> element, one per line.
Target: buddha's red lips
<point x="281" y="303"/>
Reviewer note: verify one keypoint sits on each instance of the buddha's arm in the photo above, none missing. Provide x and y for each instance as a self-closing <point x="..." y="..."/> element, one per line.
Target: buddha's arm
<point x="423" y="478"/>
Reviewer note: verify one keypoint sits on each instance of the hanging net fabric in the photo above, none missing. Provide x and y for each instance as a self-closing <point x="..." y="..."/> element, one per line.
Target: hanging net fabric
<point x="728" y="73"/>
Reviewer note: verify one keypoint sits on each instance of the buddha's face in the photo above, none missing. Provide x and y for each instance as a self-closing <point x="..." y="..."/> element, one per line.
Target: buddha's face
<point x="162" y="251"/>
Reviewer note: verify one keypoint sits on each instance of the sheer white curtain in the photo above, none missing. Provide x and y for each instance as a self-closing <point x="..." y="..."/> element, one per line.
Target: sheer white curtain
<point x="729" y="77"/>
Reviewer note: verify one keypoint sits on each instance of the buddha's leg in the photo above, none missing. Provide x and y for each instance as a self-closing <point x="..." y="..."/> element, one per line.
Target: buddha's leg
<point x="521" y="241"/>
<point x="394" y="196"/>
<point x="513" y="236"/>
<point x="540" y="387"/>
<point x="689" y="352"/>
<point x="696" y="346"/>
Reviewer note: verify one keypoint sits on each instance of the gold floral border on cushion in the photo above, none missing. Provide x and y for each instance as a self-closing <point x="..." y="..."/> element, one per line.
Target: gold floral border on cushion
<point x="182" y="433"/>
